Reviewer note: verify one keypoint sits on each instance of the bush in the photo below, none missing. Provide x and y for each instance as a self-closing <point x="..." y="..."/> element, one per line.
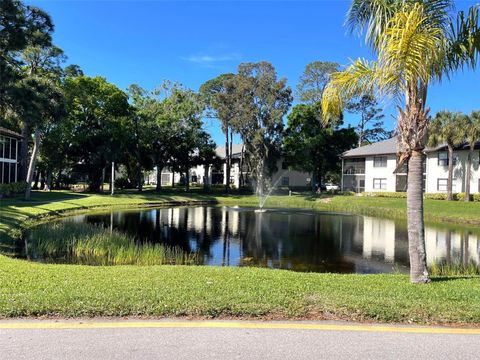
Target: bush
<point x="12" y="189"/>
<point x="123" y="183"/>
<point x="393" y="195"/>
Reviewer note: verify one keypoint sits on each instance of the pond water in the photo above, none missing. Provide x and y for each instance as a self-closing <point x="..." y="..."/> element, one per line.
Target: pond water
<point x="299" y="240"/>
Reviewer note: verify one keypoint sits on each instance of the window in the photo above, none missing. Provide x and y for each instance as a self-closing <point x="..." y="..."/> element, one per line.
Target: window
<point x="380" y="161"/>
<point x="284" y="165"/>
<point x="2" y="142"/>
<point x="285" y="181"/>
<point x="443" y="159"/>
<point x="442" y="185"/>
<point x="380" y="184"/>
<point x="13" y="149"/>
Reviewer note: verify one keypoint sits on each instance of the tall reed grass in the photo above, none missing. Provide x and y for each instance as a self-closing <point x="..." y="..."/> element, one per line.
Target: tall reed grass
<point x="88" y="244"/>
<point x="455" y="268"/>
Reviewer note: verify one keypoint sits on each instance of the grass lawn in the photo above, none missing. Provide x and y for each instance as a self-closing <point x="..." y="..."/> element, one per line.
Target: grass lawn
<point x="31" y="289"/>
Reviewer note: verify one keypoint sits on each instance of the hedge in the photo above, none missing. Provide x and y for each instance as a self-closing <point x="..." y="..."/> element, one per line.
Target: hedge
<point x="430" y="196"/>
<point x="11" y="189"/>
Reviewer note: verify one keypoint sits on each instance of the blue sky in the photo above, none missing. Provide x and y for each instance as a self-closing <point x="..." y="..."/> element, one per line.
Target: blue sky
<point x="145" y="42"/>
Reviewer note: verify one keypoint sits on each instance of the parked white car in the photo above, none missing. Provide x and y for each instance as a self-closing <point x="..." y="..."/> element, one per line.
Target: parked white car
<point x="331" y="186"/>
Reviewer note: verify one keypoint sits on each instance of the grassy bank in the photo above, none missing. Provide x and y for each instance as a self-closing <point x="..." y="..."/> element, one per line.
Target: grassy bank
<point x="31" y="289"/>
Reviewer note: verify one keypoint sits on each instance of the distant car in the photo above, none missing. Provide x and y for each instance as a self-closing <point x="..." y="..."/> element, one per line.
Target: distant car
<point x="330" y="186"/>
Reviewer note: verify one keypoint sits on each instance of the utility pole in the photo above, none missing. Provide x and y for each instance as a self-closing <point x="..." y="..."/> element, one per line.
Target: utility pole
<point x="113" y="179"/>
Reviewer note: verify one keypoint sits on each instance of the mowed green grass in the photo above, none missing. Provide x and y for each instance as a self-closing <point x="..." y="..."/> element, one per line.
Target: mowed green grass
<point x="32" y="289"/>
<point x="72" y="291"/>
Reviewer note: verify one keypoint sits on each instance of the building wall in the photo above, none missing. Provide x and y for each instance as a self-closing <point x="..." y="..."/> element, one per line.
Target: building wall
<point x="436" y="172"/>
<point x="290" y="178"/>
<point x="385" y="173"/>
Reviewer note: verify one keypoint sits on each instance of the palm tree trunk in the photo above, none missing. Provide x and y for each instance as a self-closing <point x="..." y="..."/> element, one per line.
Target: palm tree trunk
<point x="469" y="173"/>
<point x="450" y="174"/>
<point x="227" y="161"/>
<point x="416" y="230"/>
<point x="33" y="163"/>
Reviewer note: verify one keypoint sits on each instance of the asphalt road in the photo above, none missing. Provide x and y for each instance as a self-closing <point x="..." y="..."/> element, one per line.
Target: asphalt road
<point x="230" y="340"/>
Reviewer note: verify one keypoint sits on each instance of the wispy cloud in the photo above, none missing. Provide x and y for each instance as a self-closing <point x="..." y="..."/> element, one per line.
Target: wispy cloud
<point x="209" y="60"/>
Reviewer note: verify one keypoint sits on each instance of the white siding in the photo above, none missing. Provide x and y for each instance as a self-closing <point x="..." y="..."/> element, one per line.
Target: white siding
<point x="435" y="172"/>
<point x="372" y="172"/>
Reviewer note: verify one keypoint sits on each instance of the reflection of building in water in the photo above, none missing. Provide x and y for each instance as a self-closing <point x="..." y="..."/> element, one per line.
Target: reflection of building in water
<point x="381" y="238"/>
<point x="378" y="238"/>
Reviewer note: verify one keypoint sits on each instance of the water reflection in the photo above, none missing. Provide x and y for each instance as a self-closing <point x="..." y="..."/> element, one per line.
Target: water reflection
<point x="287" y="239"/>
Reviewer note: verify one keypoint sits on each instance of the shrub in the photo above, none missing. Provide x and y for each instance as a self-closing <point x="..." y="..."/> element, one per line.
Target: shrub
<point x="12" y="189"/>
<point x="385" y="194"/>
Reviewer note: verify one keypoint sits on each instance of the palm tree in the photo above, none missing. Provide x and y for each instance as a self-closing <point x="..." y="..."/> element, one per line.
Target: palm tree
<point x="416" y="43"/>
<point x="472" y="132"/>
<point x="447" y="129"/>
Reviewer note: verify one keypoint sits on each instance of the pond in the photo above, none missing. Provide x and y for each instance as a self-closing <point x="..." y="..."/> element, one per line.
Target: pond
<point x="299" y="240"/>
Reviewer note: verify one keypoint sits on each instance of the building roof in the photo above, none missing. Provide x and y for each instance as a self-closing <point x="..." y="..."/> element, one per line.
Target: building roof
<point x="385" y="147"/>
<point x="389" y="147"/>
<point x="236" y="151"/>
<point x="5" y="131"/>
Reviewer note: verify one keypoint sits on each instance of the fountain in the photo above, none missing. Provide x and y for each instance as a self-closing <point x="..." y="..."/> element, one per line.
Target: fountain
<point x="262" y="199"/>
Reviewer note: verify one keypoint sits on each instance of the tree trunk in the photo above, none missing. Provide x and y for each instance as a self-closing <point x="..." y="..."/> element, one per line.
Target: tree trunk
<point x="469" y="173"/>
<point x="24" y="152"/>
<point x="37" y="179"/>
<point x="173" y="179"/>
<point x="450" y="173"/>
<point x="158" y="187"/>
<point x="48" y="182"/>
<point x="103" y="179"/>
<point x="416" y="230"/>
<point x="227" y="162"/>
<point x="205" y="177"/>
<point x="187" y="180"/>
<point x="33" y="163"/>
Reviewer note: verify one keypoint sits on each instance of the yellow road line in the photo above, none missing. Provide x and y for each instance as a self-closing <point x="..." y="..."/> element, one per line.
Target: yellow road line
<point x="232" y="325"/>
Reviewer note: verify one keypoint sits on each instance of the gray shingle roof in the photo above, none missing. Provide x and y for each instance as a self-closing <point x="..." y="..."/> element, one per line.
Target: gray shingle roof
<point x="236" y="151"/>
<point x="385" y="147"/>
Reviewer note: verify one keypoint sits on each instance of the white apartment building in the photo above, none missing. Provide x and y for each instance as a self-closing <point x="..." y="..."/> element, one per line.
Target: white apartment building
<point x="371" y="168"/>
<point x="239" y="172"/>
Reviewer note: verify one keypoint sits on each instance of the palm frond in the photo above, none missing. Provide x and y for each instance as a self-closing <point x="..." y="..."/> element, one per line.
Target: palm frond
<point x="412" y="46"/>
<point x="361" y="77"/>
<point x="464" y="40"/>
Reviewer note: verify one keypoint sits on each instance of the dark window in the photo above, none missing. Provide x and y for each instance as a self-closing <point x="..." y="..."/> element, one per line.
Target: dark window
<point x="6" y="173"/>
<point x="2" y="144"/>
<point x="7" y="148"/>
<point x="13" y="149"/>
<point x="380" y="184"/>
<point x="442" y="185"/>
<point x="285" y="181"/>
<point x="380" y="161"/>
<point x="443" y="159"/>
<point x="12" y="172"/>
<point x="284" y="165"/>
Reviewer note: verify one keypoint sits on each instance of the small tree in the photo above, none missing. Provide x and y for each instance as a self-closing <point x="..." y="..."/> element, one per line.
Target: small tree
<point x="447" y="129"/>
<point x="314" y="79"/>
<point x="370" y="127"/>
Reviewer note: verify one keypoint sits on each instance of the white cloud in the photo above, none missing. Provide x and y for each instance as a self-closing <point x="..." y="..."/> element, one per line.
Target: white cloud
<point x="204" y="59"/>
